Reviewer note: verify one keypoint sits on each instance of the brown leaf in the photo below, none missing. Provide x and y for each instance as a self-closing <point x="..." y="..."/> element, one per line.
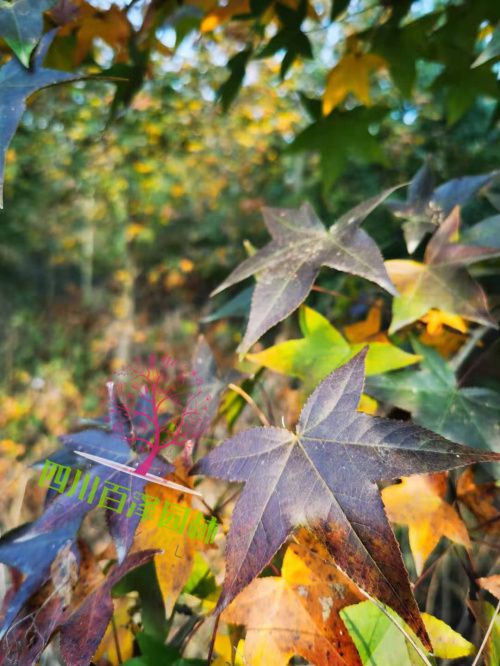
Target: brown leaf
<point x="480" y="500"/>
<point x="492" y="584"/>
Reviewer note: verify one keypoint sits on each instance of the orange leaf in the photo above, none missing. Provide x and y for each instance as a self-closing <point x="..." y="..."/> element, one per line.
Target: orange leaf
<point x="492" y="584"/>
<point x="367" y="330"/>
<point x="301" y="611"/>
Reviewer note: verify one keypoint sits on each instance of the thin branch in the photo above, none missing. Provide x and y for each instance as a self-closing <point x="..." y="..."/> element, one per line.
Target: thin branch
<point x="212" y="642"/>
<point x="487" y="635"/>
<point x="117" y="642"/>
<point x="262" y="417"/>
<point x="322" y="290"/>
<point x="430" y="568"/>
<point x="461" y="356"/>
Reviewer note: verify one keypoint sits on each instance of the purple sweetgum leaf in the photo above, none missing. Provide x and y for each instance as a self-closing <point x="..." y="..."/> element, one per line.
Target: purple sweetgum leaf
<point x="324" y="477"/>
<point x="289" y="264"/>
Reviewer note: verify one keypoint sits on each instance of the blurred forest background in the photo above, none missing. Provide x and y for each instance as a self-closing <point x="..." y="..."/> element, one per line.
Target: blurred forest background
<point x="116" y="228"/>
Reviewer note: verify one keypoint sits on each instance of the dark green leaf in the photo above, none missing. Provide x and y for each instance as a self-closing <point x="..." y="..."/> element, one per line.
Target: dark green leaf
<point x="21" y="24"/>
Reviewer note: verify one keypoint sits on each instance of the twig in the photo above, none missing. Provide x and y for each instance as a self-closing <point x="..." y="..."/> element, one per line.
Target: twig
<point x="425" y="573"/>
<point x="212" y="642"/>
<point x="487" y="635"/>
<point x="322" y="290"/>
<point x="218" y="507"/>
<point x="468" y="347"/>
<point x="117" y="642"/>
<point x="248" y="398"/>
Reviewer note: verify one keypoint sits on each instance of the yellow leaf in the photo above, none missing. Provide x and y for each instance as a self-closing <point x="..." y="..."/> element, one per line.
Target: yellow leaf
<point x="186" y="265"/>
<point x="226" y="653"/>
<point x="111" y="25"/>
<point x="492" y="584"/>
<point x="446" y="643"/>
<point x="437" y="319"/>
<point x="124" y="635"/>
<point x="172" y="570"/>
<point x="418" y="501"/>
<point x="351" y="75"/>
<point x="223" y="14"/>
<point x="367" y="404"/>
<point x="10" y="448"/>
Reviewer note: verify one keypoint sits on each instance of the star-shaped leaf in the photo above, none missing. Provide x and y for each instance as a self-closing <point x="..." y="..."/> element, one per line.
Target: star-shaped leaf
<point x="434" y="399"/>
<point x="442" y="281"/>
<point x="426" y="207"/>
<point x="418" y="501"/>
<point x="323" y="348"/>
<point x="21" y="24"/>
<point x="288" y="266"/>
<point x="324" y="476"/>
<point x="16" y="84"/>
<point x="351" y="75"/>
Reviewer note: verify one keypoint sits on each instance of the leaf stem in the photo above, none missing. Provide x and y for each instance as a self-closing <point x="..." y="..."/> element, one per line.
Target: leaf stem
<point x="322" y="290"/>
<point x="461" y="356"/>
<point x="117" y="642"/>
<point x="212" y="642"/>
<point x="248" y="398"/>
<point x="486" y="635"/>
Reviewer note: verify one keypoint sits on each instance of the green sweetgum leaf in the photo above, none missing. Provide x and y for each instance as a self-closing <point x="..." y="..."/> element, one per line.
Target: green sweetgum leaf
<point x="434" y="399"/>
<point x="21" y="24"/>
<point x="323" y="348"/>
<point x="342" y="136"/>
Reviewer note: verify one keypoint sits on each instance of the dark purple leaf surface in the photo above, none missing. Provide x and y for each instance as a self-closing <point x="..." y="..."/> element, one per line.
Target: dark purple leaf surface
<point x="289" y="264"/>
<point x="324" y="476"/>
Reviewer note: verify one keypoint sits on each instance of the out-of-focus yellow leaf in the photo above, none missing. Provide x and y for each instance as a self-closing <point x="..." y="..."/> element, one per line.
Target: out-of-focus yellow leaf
<point x="437" y="319"/>
<point x="351" y="75"/>
<point x="222" y="14"/>
<point x="418" y="501"/>
<point x="111" y="25"/>
<point x="368" y="330"/>
<point x="124" y="635"/>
